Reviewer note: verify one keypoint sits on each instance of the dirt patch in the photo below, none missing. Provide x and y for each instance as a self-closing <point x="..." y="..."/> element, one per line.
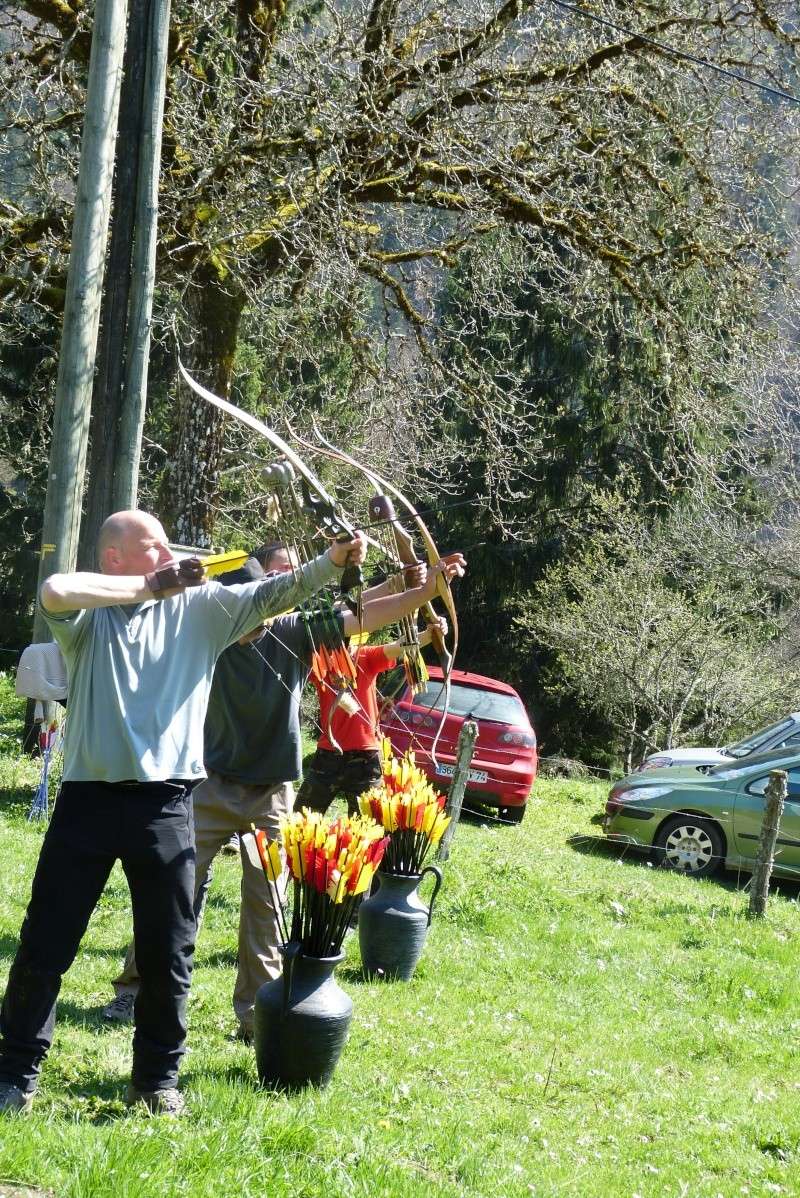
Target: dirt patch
<point x="10" y="1189"/>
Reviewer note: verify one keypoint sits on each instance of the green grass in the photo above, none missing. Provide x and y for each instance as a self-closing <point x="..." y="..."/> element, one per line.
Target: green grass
<point x="579" y="1025"/>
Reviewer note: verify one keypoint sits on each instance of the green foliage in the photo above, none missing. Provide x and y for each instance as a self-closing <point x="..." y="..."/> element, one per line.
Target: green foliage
<point x="24" y="433"/>
<point x="652" y="633"/>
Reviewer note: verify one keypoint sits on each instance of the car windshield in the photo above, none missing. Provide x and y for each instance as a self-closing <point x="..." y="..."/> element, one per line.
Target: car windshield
<point x="473" y="701"/>
<point x="751" y="744"/>
<point x="775" y="759"/>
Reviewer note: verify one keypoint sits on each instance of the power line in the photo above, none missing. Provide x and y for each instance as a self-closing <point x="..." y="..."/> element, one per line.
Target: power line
<point x="684" y="54"/>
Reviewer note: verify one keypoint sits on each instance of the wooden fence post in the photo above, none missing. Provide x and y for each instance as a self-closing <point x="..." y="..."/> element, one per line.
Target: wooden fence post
<point x="773" y="810"/>
<point x="464" y="751"/>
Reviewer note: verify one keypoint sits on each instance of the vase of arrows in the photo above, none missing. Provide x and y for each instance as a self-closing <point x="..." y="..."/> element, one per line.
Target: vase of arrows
<point x="393" y="923"/>
<point x="302" y="1019"/>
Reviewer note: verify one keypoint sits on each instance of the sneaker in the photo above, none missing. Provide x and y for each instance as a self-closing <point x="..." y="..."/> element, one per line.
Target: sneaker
<point x="120" y="1009"/>
<point x="14" y="1099"/>
<point x="158" y="1102"/>
<point x="231" y="847"/>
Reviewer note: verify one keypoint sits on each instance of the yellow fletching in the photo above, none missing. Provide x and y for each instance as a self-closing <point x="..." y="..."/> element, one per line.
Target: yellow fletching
<point x="221" y="563"/>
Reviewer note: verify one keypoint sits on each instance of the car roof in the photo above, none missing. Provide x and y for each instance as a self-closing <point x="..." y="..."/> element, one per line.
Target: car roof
<point x="772" y="759"/>
<point x="466" y="678"/>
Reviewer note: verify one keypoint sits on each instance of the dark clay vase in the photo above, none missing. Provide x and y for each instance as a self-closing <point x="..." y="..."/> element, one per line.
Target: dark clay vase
<point x="393" y="924"/>
<point x="301" y="1022"/>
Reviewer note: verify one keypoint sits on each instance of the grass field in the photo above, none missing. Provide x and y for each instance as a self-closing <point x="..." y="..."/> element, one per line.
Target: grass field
<point x="579" y="1025"/>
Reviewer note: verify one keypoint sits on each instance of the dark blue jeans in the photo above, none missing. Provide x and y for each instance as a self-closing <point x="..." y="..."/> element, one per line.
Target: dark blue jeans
<point x="148" y="827"/>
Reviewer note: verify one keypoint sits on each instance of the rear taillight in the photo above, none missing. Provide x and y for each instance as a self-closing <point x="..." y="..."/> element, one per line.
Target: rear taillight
<point x="424" y="721"/>
<point x="525" y="740"/>
<point x="654" y="763"/>
<point x="613" y="806"/>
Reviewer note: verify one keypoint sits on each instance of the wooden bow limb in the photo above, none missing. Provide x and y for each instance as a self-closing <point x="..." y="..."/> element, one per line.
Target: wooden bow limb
<point x="385" y="487"/>
<point x="381" y="508"/>
<point x="335" y="523"/>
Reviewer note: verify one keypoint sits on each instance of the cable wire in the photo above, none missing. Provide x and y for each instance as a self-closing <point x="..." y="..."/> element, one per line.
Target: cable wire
<point x="676" y="53"/>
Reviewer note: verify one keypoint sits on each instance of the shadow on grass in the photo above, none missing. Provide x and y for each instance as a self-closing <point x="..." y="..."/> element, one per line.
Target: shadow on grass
<point x="93" y="1100"/>
<point x="218" y="900"/>
<point x="488" y="816"/>
<point x="356" y="974"/>
<point x="729" y="879"/>
<point x="17" y="802"/>
<point x="8" y="949"/>
<point x="218" y="957"/>
<point x="70" y="1012"/>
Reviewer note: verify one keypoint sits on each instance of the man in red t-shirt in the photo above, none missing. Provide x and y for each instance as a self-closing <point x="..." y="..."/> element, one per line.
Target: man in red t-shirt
<point x="358" y="766"/>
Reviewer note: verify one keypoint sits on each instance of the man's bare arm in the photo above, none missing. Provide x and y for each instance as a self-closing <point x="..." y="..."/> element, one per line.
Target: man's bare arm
<point x="379" y="612"/>
<point x="72" y="592"/>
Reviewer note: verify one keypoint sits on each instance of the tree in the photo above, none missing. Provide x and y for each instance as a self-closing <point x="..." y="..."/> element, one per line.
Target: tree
<point x="318" y="155"/>
<point x="666" y="644"/>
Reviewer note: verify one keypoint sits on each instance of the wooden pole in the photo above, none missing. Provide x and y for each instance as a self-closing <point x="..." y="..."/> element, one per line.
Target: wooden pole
<point x="466" y="747"/>
<point x="144" y="260"/>
<point x="67" y="468"/>
<point x="773" y="810"/>
<point x="62" y="511"/>
<point x="107" y="395"/>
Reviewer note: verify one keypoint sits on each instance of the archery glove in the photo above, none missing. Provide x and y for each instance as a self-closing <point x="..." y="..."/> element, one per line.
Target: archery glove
<point x="175" y="576"/>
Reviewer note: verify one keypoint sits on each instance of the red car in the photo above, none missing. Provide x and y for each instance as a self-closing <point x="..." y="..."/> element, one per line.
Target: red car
<point x="504" y="763"/>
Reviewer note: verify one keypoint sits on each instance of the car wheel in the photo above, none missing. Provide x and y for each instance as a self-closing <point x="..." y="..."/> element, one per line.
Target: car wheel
<point x="513" y="815"/>
<point x="690" y="845"/>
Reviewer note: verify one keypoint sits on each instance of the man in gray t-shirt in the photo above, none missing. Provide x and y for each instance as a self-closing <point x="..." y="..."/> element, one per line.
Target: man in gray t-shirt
<point x="140" y="640"/>
<point x="252" y="757"/>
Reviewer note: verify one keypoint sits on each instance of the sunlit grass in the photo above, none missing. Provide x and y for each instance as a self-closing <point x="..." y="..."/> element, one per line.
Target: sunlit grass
<point x="579" y="1025"/>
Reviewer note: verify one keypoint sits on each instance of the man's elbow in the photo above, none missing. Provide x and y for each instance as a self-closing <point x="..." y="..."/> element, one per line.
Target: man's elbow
<point x="53" y="595"/>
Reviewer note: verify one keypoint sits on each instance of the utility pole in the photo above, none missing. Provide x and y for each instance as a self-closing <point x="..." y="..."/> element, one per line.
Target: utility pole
<point x="107" y="393"/>
<point x="137" y="357"/>
<point x="120" y="390"/>
<point x="62" y="512"/>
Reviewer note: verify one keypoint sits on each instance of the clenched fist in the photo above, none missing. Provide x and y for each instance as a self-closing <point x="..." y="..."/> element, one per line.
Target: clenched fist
<point x="175" y="577"/>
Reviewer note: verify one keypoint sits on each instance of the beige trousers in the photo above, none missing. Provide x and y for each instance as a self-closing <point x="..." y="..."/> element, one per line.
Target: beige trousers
<point x="223" y="806"/>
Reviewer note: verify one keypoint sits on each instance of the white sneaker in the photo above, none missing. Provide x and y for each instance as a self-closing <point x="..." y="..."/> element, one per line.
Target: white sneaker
<point x="168" y="1102"/>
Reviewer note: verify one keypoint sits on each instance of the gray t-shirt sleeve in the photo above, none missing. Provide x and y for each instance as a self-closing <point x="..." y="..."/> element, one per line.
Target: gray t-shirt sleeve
<point x="236" y="610"/>
<point x="68" y="627"/>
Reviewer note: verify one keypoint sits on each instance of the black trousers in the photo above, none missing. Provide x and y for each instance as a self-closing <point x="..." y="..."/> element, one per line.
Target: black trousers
<point x="147" y="826"/>
<point x="332" y="774"/>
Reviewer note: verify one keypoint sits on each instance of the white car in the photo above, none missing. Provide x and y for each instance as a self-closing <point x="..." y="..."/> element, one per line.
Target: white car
<point x="785" y="733"/>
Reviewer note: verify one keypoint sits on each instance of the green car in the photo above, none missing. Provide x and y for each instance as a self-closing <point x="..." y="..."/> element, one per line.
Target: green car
<point x="698" y="818"/>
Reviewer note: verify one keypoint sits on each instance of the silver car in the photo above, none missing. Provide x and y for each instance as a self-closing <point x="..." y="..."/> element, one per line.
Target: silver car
<point x="784" y="734"/>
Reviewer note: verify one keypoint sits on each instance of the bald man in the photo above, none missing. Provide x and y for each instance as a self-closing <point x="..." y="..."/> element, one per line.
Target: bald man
<point x="140" y="640"/>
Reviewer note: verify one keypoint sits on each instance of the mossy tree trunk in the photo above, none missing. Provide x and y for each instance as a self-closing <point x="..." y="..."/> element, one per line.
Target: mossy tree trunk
<point x="191" y="488"/>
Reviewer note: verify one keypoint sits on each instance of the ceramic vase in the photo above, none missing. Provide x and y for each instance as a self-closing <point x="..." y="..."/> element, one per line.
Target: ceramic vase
<point x="393" y="924"/>
<point x="301" y="1022"/>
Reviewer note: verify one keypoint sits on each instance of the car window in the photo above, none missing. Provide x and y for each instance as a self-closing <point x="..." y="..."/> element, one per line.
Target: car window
<point x="473" y="701"/>
<point x="790" y="740"/>
<point x="759" y="785"/>
<point x="751" y="744"/>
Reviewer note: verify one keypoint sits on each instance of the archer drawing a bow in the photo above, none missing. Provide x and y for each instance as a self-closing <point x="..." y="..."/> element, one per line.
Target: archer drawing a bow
<point x="406" y="554"/>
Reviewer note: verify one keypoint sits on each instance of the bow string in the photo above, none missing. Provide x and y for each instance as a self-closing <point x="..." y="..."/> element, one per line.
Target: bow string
<point x="404" y="543"/>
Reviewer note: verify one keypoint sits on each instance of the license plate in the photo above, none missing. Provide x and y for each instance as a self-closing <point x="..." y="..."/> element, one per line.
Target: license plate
<point x="447" y="771"/>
